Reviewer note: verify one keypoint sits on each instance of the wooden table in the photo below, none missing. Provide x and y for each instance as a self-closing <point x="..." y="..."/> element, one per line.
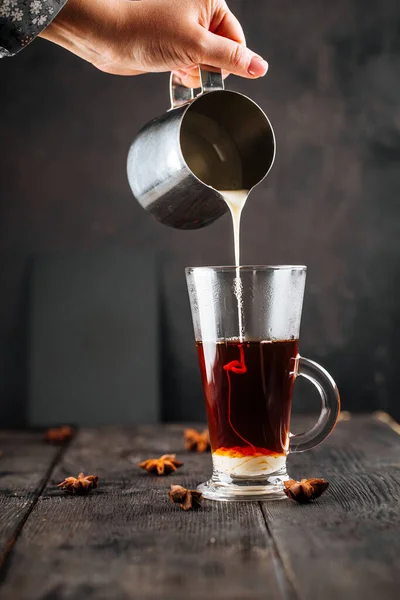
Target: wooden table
<point x="126" y="540"/>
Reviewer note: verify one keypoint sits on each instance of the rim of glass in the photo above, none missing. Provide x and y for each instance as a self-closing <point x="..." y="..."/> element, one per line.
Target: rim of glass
<point x="249" y="268"/>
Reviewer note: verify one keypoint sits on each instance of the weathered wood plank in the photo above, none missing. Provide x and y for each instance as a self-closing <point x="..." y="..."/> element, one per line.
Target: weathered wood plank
<point x="127" y="540"/>
<point x="347" y="544"/>
<point x="24" y="470"/>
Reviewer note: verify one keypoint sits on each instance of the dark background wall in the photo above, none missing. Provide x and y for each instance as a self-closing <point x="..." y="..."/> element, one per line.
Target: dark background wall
<point x="331" y="200"/>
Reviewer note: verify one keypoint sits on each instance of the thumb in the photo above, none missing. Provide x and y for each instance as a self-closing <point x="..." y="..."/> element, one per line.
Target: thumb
<point x="222" y="53"/>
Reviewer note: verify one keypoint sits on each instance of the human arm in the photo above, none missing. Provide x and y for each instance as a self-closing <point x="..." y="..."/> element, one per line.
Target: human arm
<point x="128" y="37"/>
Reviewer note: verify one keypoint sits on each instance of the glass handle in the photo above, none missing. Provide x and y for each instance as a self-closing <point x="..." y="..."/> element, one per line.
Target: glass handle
<point x="330" y="406"/>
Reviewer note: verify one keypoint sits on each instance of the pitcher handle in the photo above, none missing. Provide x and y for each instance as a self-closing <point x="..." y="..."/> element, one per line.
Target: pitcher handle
<point x="180" y="95"/>
<point x="211" y="80"/>
<point x="330" y="408"/>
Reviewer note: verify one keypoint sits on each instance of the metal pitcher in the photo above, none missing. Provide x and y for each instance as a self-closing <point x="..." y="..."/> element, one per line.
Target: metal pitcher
<point x="211" y="139"/>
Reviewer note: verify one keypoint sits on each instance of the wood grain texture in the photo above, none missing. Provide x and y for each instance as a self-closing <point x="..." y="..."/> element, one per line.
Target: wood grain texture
<point x="24" y="469"/>
<point x="347" y="543"/>
<point x="126" y="540"/>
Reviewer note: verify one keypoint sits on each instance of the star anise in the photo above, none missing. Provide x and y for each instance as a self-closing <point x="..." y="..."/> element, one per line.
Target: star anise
<point x="197" y="441"/>
<point x="305" y="490"/>
<point x="79" y="485"/>
<point x="187" y="499"/>
<point x="58" y="435"/>
<point x="161" y="466"/>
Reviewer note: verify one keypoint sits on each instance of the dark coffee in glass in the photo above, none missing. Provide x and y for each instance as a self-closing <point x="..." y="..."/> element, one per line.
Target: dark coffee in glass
<point x="248" y="389"/>
<point x="246" y="323"/>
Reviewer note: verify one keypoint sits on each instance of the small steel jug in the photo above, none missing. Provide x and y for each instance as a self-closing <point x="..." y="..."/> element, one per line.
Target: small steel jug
<point x="211" y="139"/>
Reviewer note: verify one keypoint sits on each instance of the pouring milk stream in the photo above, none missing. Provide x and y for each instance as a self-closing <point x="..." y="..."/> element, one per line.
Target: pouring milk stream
<point x="236" y="199"/>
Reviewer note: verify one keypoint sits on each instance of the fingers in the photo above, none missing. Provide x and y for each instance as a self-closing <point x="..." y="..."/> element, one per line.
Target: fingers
<point x="231" y="56"/>
<point x="230" y="28"/>
<point x="189" y="79"/>
<point x="191" y="82"/>
<point x="227" y="27"/>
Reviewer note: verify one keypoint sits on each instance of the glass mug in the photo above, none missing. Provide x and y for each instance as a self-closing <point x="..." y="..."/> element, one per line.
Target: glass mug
<point x="246" y="324"/>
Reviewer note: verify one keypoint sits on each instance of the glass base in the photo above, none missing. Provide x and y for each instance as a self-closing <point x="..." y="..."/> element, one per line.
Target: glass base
<point x="242" y="490"/>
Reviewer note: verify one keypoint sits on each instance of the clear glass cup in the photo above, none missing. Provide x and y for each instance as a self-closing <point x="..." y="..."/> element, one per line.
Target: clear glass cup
<point x="246" y="324"/>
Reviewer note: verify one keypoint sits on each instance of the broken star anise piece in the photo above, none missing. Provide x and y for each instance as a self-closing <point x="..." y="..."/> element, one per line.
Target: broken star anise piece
<point x="197" y="441"/>
<point x="305" y="490"/>
<point x="79" y="485"/>
<point x="187" y="499"/>
<point x="162" y="466"/>
<point x="58" y="435"/>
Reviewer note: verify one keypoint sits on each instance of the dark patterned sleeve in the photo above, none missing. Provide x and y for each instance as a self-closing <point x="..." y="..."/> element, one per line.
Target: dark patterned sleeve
<point x="22" y="20"/>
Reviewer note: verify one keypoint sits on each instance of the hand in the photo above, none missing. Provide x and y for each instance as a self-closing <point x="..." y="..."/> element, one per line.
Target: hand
<point x="130" y="37"/>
